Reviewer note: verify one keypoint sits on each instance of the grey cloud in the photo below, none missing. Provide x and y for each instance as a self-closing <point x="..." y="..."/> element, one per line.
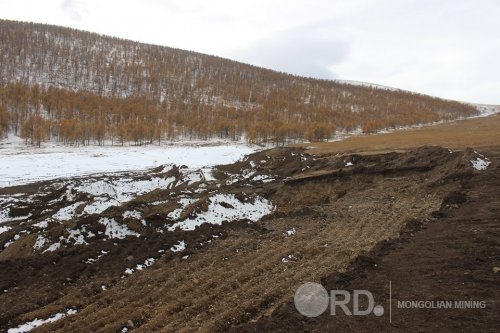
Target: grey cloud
<point x="74" y="8"/>
<point x="295" y="51"/>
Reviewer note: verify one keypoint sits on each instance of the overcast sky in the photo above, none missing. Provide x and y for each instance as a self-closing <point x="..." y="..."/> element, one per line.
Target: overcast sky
<point x="446" y="48"/>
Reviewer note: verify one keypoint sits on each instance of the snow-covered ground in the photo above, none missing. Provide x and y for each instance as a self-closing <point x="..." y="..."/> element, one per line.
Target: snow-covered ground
<point x="368" y="85"/>
<point x="39" y="322"/>
<point x="485" y="109"/>
<point x="189" y="199"/>
<point x="226" y="207"/>
<point x="21" y="164"/>
<point x="481" y="162"/>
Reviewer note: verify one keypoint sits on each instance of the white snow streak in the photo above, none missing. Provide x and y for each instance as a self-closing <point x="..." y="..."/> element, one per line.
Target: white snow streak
<point x="226" y="207"/>
<point x="116" y="230"/>
<point x="39" y="322"/>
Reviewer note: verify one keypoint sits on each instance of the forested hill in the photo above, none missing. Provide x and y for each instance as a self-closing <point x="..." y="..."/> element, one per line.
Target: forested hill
<point x="78" y="87"/>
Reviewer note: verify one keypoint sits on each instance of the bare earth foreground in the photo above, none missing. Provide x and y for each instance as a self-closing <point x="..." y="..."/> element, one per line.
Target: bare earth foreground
<point x="134" y="251"/>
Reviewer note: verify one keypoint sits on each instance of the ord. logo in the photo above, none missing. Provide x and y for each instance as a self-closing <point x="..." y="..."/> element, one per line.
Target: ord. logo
<point x="312" y="299"/>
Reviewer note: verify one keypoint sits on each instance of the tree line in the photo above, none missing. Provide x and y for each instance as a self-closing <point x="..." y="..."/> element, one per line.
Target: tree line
<point x="81" y="118"/>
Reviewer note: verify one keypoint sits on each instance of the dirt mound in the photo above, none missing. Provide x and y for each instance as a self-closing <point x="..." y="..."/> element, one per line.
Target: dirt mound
<point x="452" y="257"/>
<point x="177" y="249"/>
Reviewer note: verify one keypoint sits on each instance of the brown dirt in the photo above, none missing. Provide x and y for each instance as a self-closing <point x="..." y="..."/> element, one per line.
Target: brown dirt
<point x="242" y="273"/>
<point x="454" y="256"/>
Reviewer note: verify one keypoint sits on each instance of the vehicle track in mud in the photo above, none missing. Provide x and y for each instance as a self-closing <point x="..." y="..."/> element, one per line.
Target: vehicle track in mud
<point x="454" y="257"/>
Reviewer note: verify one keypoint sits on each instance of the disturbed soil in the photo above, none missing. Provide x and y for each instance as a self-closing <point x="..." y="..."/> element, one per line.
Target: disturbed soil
<point x="173" y="249"/>
<point x="455" y="256"/>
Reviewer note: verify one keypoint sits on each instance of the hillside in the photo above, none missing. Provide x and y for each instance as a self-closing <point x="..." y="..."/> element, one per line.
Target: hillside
<point x="83" y="88"/>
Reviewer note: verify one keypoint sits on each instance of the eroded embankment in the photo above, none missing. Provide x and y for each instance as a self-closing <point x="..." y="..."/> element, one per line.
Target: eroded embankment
<point x="451" y="262"/>
<point x="174" y="249"/>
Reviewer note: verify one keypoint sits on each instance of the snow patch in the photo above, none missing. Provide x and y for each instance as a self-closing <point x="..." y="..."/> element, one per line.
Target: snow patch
<point x="78" y="236"/>
<point x="4" y="229"/>
<point x="68" y="212"/>
<point x="53" y="247"/>
<point x="116" y="230"/>
<point x="288" y="258"/>
<point x="226" y="207"/>
<point x="42" y="225"/>
<point x="39" y="322"/>
<point x="134" y="214"/>
<point x="184" y="202"/>
<point x="93" y="260"/>
<point x="290" y="232"/>
<point x="263" y="178"/>
<point x="480" y="163"/>
<point x="148" y="262"/>
<point x="180" y="246"/>
<point x="40" y="242"/>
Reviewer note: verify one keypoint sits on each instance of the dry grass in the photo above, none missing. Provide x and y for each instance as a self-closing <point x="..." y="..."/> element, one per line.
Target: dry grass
<point x="478" y="132"/>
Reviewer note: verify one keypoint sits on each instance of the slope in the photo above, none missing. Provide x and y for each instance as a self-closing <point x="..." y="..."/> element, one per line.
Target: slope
<point x="80" y="87"/>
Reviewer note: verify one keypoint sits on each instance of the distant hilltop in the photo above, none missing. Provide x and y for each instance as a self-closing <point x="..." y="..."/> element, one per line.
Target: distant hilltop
<point x="78" y="87"/>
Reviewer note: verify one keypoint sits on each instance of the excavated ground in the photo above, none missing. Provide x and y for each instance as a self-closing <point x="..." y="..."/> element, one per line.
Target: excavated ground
<point x="453" y="257"/>
<point x="135" y="252"/>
